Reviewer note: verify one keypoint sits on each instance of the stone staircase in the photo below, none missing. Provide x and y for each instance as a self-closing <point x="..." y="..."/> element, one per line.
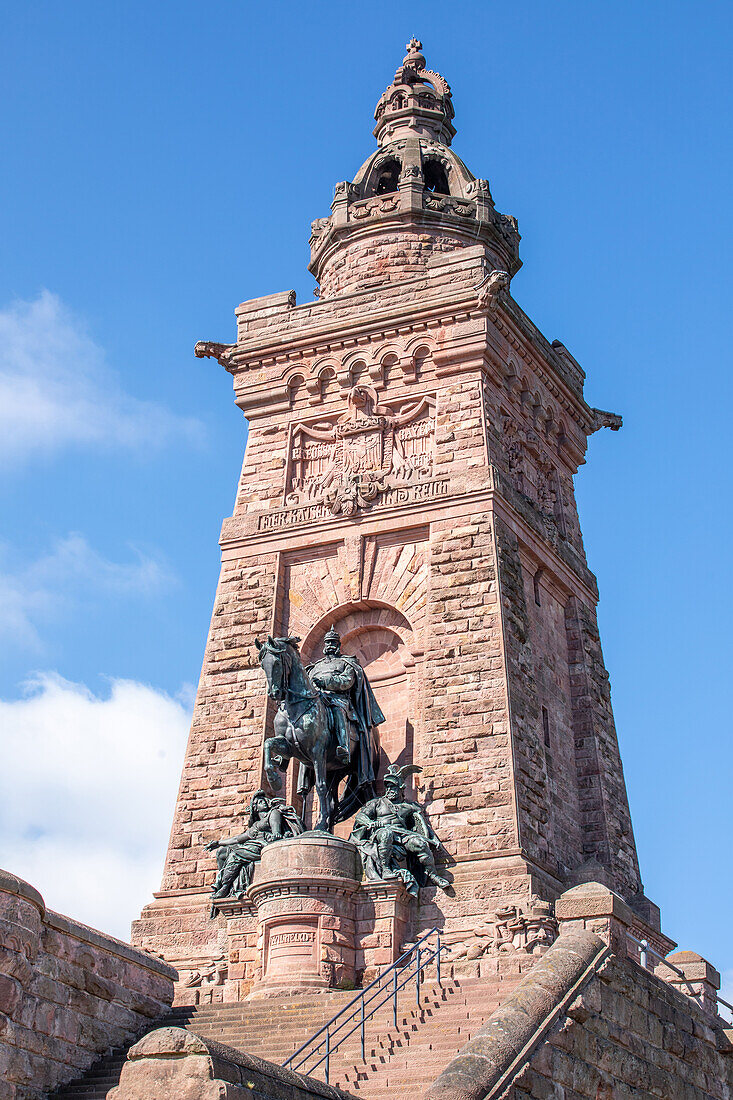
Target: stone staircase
<point x="399" y="1062"/>
<point x="404" y="1062"/>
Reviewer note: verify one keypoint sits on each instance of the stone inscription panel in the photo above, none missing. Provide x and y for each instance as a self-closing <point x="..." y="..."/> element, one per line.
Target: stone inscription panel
<point x="390" y="497"/>
<point x="291" y="947"/>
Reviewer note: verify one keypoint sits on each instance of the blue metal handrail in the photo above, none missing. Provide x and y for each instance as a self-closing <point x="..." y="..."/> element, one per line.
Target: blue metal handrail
<point x="329" y="1038"/>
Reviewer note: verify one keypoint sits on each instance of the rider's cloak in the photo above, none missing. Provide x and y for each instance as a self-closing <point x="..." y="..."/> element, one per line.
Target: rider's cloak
<point x="367" y="715"/>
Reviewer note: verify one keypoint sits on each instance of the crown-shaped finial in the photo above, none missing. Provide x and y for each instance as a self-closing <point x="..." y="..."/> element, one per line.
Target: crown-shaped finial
<point x="414" y="58"/>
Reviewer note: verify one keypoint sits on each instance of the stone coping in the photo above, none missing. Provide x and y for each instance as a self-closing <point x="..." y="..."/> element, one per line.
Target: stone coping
<point x="318" y="839"/>
<point x="111" y="944"/>
<point x="482" y="1067"/>
<point x="235" y="1067"/>
<point x="12" y="884"/>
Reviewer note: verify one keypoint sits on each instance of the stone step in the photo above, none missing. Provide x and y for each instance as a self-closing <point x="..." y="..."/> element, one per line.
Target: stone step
<point x="399" y="1062"/>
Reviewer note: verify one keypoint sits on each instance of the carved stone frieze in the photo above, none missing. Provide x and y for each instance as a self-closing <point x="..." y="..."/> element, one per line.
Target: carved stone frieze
<point x="532" y="473"/>
<point x="514" y="450"/>
<point x="213" y="974"/>
<point x="449" y="205"/>
<point x="374" y="208"/>
<point x="347" y="463"/>
<point x="510" y="929"/>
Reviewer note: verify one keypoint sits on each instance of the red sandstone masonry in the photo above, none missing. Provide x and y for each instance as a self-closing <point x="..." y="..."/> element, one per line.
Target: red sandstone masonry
<point x="435" y="601"/>
<point x="503" y="701"/>
<point x="369" y="262"/>
<point x="588" y="1023"/>
<point x="67" y="993"/>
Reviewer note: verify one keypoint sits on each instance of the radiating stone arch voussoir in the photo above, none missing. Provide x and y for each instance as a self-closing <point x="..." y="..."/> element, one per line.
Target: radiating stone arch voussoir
<point x="353" y="620"/>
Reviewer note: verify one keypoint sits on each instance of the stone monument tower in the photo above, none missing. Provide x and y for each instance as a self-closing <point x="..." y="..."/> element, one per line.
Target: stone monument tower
<point x="407" y="483"/>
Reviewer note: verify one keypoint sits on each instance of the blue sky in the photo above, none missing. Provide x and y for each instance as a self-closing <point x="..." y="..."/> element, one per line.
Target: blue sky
<point x="163" y="163"/>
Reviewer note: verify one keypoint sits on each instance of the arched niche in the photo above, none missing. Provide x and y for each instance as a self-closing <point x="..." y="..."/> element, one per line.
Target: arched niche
<point x="384" y="641"/>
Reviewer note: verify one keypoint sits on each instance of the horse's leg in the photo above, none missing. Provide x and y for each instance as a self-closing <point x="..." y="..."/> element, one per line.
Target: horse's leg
<point x="277" y="758"/>
<point x="333" y="798"/>
<point x="319" y="767"/>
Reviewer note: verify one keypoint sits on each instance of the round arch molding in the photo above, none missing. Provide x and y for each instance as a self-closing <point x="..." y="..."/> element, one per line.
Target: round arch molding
<point x="385" y="643"/>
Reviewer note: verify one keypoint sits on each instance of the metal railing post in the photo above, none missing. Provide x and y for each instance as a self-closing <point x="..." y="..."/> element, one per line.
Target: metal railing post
<point x="328" y="1052"/>
<point x="418" y="977"/>
<point x="437" y="964"/>
<point x="363" y="1055"/>
<point x="394" y="997"/>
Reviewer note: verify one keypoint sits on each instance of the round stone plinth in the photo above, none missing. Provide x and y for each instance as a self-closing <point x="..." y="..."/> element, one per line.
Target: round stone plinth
<point x="311" y="853"/>
<point x="303" y="891"/>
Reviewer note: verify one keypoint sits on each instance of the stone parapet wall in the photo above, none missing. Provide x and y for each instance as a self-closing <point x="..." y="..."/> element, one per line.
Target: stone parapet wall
<point x="587" y="1024"/>
<point x="173" y="1062"/>
<point x="67" y="993"/>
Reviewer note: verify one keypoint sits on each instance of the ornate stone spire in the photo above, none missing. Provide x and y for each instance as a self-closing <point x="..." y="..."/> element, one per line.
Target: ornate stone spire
<point x="417" y="101"/>
<point x="412" y="198"/>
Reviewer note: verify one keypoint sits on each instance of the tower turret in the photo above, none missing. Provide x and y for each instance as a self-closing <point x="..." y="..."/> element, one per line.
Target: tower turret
<point x="412" y="198"/>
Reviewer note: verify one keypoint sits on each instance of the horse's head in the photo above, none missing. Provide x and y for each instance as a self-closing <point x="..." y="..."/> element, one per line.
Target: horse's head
<point x="276" y="657"/>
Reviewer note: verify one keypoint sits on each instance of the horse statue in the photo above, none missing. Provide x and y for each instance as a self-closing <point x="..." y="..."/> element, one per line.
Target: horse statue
<point x="304" y="731"/>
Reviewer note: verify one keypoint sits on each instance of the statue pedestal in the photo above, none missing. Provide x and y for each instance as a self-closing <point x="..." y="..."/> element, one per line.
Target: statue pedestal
<point x="303" y="894"/>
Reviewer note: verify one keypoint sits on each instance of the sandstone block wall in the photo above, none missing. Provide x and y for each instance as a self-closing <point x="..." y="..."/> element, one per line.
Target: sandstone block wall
<point x="630" y="1035"/>
<point x="373" y="260"/>
<point x="67" y="993"/>
<point x="588" y="1023"/>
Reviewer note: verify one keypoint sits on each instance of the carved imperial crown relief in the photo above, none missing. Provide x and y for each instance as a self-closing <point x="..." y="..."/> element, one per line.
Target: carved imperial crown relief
<point x="347" y="462"/>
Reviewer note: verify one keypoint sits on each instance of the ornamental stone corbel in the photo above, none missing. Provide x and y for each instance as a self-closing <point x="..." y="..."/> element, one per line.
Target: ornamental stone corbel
<point x="490" y="290"/>
<point x="315" y="391"/>
<point x="376" y="373"/>
<point x="602" y="419"/>
<point x="208" y="349"/>
<point x="408" y="366"/>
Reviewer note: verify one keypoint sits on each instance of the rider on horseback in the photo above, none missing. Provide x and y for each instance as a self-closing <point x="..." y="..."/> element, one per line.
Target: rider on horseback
<point x="353" y="711"/>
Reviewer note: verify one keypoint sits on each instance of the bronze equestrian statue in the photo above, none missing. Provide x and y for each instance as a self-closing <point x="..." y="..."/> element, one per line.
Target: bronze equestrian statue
<point x="326" y="719"/>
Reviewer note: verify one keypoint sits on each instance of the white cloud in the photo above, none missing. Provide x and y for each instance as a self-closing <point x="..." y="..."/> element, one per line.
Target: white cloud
<point x="87" y="791"/>
<point x="56" y="392"/>
<point x="72" y="571"/>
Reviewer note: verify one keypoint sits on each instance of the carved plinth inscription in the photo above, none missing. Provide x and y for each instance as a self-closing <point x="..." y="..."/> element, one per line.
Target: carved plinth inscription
<point x="291" y="948"/>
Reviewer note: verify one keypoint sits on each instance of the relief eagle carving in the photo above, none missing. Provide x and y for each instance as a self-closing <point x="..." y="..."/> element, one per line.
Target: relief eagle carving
<point x="349" y="462"/>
